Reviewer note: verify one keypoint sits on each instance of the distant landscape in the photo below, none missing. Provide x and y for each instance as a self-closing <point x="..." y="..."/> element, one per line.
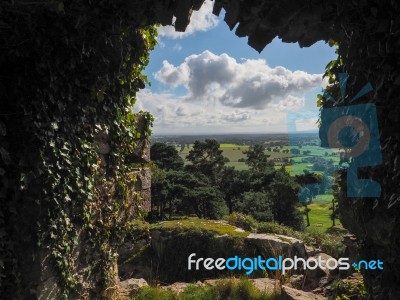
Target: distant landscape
<point x="303" y="156"/>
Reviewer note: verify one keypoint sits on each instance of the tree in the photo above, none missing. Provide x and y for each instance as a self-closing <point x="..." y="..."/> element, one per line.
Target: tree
<point x="182" y="192"/>
<point x="166" y="157"/>
<point x="283" y="191"/>
<point x="305" y="198"/>
<point x="207" y="202"/>
<point x="256" y="204"/>
<point x="159" y="192"/>
<point x="206" y="158"/>
<point x="257" y="160"/>
<point x="334" y="210"/>
<point x="337" y="195"/>
<point x="295" y="151"/>
<point x="230" y="185"/>
<point x="326" y="184"/>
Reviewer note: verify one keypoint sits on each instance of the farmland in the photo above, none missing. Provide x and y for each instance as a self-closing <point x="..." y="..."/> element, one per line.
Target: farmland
<point x="320" y="214"/>
<point x="297" y="165"/>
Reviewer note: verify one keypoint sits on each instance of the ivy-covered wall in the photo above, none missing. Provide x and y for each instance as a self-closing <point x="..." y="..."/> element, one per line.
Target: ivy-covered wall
<point x="69" y="74"/>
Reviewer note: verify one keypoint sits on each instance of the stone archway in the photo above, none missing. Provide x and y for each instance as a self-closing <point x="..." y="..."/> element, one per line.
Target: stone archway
<point x="368" y="33"/>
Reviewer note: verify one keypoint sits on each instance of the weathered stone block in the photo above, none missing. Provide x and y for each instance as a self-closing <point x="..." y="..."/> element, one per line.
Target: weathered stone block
<point x="128" y="287"/>
<point x="289" y="293"/>
<point x="143" y="179"/>
<point x="141" y="153"/>
<point x="146" y="198"/>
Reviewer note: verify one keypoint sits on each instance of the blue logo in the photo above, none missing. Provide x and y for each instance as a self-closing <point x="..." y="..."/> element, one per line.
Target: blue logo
<point x="352" y="131"/>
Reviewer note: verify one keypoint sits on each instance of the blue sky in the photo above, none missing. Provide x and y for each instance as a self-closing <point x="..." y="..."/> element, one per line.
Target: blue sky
<point x="209" y="81"/>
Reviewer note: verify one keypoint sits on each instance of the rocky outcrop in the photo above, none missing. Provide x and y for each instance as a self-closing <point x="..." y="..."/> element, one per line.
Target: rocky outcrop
<point x="266" y="245"/>
<point x="277" y="245"/>
<point x="127" y="288"/>
<point x="319" y="271"/>
<point x="288" y="293"/>
<point x="265" y="285"/>
<point x="297" y="281"/>
<point x="163" y="243"/>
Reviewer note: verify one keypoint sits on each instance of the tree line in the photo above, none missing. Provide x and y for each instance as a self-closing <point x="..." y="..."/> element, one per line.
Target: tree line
<point x="204" y="186"/>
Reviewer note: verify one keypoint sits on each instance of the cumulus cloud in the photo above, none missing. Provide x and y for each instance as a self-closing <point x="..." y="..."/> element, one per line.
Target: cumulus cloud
<point x="171" y="75"/>
<point x="201" y="20"/>
<point x="249" y="83"/>
<point x="176" y="115"/>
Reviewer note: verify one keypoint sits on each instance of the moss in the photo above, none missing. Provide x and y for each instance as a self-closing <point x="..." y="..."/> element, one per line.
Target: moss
<point x="241" y="220"/>
<point x="196" y="224"/>
<point x="180" y="238"/>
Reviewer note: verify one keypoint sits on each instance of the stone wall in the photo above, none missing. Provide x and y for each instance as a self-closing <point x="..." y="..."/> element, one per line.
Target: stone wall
<point x="44" y="281"/>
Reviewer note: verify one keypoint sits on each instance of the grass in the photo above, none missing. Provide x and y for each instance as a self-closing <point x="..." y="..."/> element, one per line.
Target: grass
<point x="193" y="223"/>
<point x="227" y="289"/>
<point x="320" y="219"/>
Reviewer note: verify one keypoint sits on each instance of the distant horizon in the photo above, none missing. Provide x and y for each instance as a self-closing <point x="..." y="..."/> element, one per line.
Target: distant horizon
<point x="240" y="133"/>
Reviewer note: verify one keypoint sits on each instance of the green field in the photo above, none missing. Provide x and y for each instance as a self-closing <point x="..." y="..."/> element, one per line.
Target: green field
<point x="320" y="214"/>
<point x="235" y="152"/>
<point x="231" y="151"/>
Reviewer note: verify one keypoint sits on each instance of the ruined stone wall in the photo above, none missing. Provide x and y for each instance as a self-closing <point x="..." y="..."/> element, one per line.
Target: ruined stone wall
<point x="44" y="279"/>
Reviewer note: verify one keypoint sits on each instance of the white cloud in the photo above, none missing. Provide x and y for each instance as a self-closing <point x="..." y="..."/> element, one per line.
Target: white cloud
<point x="307" y="124"/>
<point x="250" y="83"/>
<point x="289" y="104"/>
<point x="175" y="115"/>
<point x="172" y="76"/>
<point x="202" y="20"/>
<point x="236" y="116"/>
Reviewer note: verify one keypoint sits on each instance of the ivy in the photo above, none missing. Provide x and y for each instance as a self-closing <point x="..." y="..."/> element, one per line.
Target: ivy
<point x="72" y="71"/>
<point x="334" y="67"/>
